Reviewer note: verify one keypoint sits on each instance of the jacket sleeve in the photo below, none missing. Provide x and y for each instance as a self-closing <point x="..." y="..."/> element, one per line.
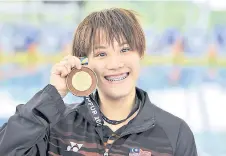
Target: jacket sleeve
<point x="26" y="132"/>
<point x="186" y="145"/>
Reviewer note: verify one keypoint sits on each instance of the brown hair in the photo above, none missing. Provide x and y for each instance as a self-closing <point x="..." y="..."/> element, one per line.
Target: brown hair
<point x="116" y="23"/>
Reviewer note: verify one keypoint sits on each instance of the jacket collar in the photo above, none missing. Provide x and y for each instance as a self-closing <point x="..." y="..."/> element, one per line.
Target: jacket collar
<point x="146" y="115"/>
<point x="144" y="118"/>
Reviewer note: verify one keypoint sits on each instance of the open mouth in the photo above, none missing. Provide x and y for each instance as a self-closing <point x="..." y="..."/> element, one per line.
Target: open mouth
<point x="115" y="78"/>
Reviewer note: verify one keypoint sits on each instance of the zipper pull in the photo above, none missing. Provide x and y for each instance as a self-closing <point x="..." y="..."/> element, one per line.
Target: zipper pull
<point x="105" y="153"/>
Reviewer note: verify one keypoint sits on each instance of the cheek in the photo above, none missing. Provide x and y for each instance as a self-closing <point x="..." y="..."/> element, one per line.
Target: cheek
<point x="136" y="71"/>
<point x="135" y="66"/>
<point x="96" y="67"/>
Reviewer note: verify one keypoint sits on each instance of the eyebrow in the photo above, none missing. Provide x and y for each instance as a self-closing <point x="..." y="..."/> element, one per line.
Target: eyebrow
<point x="100" y="47"/>
<point x="123" y="43"/>
<point x="103" y="47"/>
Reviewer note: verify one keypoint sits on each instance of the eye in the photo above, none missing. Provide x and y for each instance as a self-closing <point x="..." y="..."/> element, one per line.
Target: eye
<point x="101" y="54"/>
<point x="125" y="50"/>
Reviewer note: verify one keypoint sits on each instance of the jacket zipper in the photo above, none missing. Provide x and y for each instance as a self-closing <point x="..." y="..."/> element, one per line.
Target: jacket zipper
<point x="105" y="153"/>
<point x="130" y="132"/>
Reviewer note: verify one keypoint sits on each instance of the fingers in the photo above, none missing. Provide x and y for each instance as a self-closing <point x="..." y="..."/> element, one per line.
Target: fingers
<point x="60" y="69"/>
<point x="64" y="67"/>
<point x="73" y="61"/>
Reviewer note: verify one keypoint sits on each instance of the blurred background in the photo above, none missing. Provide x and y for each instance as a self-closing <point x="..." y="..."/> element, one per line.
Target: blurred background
<point x="184" y="70"/>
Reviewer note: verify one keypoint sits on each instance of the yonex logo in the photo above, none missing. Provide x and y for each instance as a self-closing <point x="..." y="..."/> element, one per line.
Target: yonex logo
<point x="74" y="147"/>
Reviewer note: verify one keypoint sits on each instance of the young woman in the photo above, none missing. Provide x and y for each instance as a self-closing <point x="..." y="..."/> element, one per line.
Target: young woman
<point x="114" y="43"/>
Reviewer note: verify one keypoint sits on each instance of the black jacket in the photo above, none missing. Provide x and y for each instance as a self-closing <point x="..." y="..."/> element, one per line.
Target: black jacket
<point x="46" y="126"/>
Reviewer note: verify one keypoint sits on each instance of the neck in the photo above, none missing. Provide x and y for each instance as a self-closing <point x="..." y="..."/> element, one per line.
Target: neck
<point x="117" y="109"/>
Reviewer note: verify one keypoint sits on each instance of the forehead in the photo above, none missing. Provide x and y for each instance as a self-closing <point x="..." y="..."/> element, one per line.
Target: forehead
<point x="106" y="38"/>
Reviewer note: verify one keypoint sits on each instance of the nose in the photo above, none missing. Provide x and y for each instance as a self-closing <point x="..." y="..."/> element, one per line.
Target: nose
<point x="114" y="62"/>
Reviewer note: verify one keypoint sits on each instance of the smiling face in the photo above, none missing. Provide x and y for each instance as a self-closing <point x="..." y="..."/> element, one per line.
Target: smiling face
<point x="117" y="67"/>
<point x="114" y="43"/>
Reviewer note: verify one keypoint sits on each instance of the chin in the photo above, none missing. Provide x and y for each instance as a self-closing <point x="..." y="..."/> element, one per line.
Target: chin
<point x="118" y="92"/>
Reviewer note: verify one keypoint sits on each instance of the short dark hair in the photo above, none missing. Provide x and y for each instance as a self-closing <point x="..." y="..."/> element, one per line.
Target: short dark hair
<point x="116" y="23"/>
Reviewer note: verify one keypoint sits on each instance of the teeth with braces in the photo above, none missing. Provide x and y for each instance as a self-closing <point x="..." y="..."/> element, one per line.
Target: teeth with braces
<point x="117" y="79"/>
